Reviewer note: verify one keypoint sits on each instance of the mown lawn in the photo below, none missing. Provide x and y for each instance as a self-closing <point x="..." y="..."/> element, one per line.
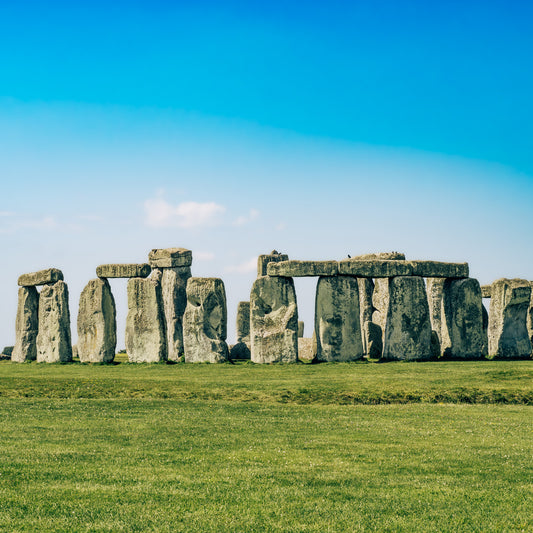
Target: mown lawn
<point x="266" y="448"/>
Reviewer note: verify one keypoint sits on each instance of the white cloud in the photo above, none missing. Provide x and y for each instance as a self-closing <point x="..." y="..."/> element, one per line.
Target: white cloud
<point x="244" y="219"/>
<point x="281" y="226"/>
<point x="244" y="268"/>
<point x="203" y="256"/>
<point x="160" y="214"/>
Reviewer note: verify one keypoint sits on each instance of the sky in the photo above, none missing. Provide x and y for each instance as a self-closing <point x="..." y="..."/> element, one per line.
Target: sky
<point x="234" y="128"/>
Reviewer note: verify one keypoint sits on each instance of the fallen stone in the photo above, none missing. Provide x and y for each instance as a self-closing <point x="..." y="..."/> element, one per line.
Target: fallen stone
<point x="170" y="258"/>
<point x="374" y="269"/>
<point x="240" y="351"/>
<point x="130" y="270"/>
<point x="307" y="349"/>
<point x="243" y="322"/>
<point x="26" y="325"/>
<point x="486" y="291"/>
<point x="53" y="338"/>
<point x="337" y="319"/>
<point x="507" y="332"/>
<point x="373" y="340"/>
<point x="205" y="321"/>
<point x="408" y="328"/>
<point x="42" y="277"/>
<point x="264" y="260"/>
<point x="391" y="256"/>
<point x="145" y="323"/>
<point x="301" y="326"/>
<point x="436" y="269"/>
<point x="298" y="269"/>
<point x="435" y="287"/>
<point x="273" y="320"/>
<point x="97" y="326"/>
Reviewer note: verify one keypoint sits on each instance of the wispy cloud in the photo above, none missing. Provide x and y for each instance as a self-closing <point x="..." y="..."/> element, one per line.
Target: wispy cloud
<point x="244" y="219"/>
<point x="244" y="268"/>
<point x="161" y="214"/>
<point x="14" y="223"/>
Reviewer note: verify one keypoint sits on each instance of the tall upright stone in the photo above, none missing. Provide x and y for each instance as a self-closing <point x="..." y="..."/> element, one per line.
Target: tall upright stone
<point x="366" y="289"/>
<point x="273" y="320"/>
<point x="508" y="334"/>
<point x="301" y="327"/>
<point x="243" y="322"/>
<point x="97" y="324"/>
<point x="26" y="325"/>
<point x="145" y="324"/>
<point x="205" y="321"/>
<point x="435" y="287"/>
<point x="462" y="319"/>
<point x="337" y="319"/>
<point x="54" y="339"/>
<point x="408" y="328"/>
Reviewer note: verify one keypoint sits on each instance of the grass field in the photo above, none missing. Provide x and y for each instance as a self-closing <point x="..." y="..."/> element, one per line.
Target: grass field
<point x="267" y="448"/>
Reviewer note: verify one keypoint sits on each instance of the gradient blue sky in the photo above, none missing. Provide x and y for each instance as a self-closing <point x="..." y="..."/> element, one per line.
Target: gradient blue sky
<point x="232" y="128"/>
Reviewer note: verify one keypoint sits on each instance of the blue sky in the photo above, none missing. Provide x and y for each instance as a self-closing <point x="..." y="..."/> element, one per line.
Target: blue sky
<point x="232" y="128"/>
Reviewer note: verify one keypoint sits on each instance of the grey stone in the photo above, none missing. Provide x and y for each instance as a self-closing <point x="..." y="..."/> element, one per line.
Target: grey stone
<point x="374" y="269"/>
<point x="53" y="339"/>
<point x="380" y="302"/>
<point x="97" y="326"/>
<point x="408" y="328"/>
<point x="507" y="332"/>
<point x="435" y="345"/>
<point x="366" y="289"/>
<point x="436" y="269"/>
<point x="170" y="257"/>
<point x="243" y="322"/>
<point x="75" y="351"/>
<point x="129" y="270"/>
<point x="42" y="277"/>
<point x="26" y="325"/>
<point x="145" y="323"/>
<point x="462" y="319"/>
<point x="301" y="327"/>
<point x="293" y="269"/>
<point x="240" y="351"/>
<point x="174" y="292"/>
<point x="391" y="256"/>
<point x="337" y="319"/>
<point x="486" y="291"/>
<point x="373" y="339"/>
<point x="8" y="351"/>
<point x="273" y="320"/>
<point x="205" y="321"/>
<point x="485" y="329"/>
<point x="435" y="287"/>
<point x="307" y="348"/>
<point x="263" y="260"/>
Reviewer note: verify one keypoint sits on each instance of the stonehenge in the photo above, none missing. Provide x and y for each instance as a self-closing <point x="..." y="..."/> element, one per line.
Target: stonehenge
<point x="241" y="350"/>
<point x="26" y="325"/>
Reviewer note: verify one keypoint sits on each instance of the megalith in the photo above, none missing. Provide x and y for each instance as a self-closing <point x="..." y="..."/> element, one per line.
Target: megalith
<point x="97" y="326"/>
<point x="273" y="320"/>
<point x="241" y="350"/>
<point x="145" y="323"/>
<point x="272" y="257"/>
<point x="407" y="329"/>
<point x="301" y="327"/>
<point x="507" y="332"/>
<point x="337" y="319"/>
<point x="205" y="321"/>
<point x="374" y="340"/>
<point x="435" y="287"/>
<point x="54" y="339"/>
<point x="366" y="288"/>
<point x="462" y="319"/>
<point x="26" y="325"/>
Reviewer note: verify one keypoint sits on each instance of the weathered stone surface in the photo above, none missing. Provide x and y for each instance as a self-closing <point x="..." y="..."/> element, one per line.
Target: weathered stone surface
<point x="436" y="269"/>
<point x="240" y="351"/>
<point x="435" y="287"/>
<point x="391" y="256"/>
<point x="337" y="319"/>
<point x="145" y="323"/>
<point x="205" y="321"/>
<point x="508" y="334"/>
<point x="53" y="339"/>
<point x="435" y="345"/>
<point x="273" y="320"/>
<point x="129" y="270"/>
<point x="8" y="351"/>
<point x="408" y="328"/>
<point x="366" y="288"/>
<point x="301" y="327"/>
<point x="170" y="258"/>
<point x="263" y="260"/>
<point x="373" y="340"/>
<point x="97" y="325"/>
<point x="307" y="349"/>
<point x="462" y="319"/>
<point x="26" y="325"/>
<point x="486" y="291"/>
<point x="374" y="269"/>
<point x="298" y="269"/>
<point x="485" y="330"/>
<point x="380" y="302"/>
<point x="174" y="293"/>
<point x="243" y="322"/>
<point x="75" y="351"/>
<point x="42" y="277"/>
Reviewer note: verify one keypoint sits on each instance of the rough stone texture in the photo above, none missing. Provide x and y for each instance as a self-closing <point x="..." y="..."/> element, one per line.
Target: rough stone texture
<point x="435" y="286"/>
<point x="301" y="327"/>
<point x="97" y="325"/>
<point x="205" y="321"/>
<point x="366" y="288"/>
<point x="263" y="260"/>
<point x="8" y="351"/>
<point x="435" y="345"/>
<point x="273" y="320"/>
<point x="42" y="277"/>
<point x="462" y="319"/>
<point x="243" y="322"/>
<point x="170" y="257"/>
<point x="436" y="269"/>
<point x="508" y="334"/>
<point x="485" y="329"/>
<point x="26" y="325"/>
<point x="408" y="328"/>
<point x="53" y="339"/>
<point x="75" y="351"/>
<point x="380" y="302"/>
<point x="486" y="291"/>
<point x="307" y="349"/>
<point x="145" y="324"/>
<point x="392" y="256"/>
<point x="294" y="269"/>
<point x="129" y="270"/>
<point x="337" y="319"/>
<point x="174" y="292"/>
<point x="374" y="269"/>
<point x="373" y="339"/>
<point x="240" y="351"/>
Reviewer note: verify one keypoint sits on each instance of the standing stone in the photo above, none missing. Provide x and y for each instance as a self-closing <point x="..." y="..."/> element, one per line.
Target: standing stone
<point x="435" y="287"/>
<point x="462" y="319"/>
<point x="408" y="328"/>
<point x="97" y="325"/>
<point x="374" y="339"/>
<point x="205" y="321"/>
<point x="241" y="350"/>
<point x="508" y="334"/>
<point x="273" y="320"/>
<point x="53" y="340"/>
<point x="366" y="288"/>
<point x="486" y="328"/>
<point x="26" y="325"/>
<point x="272" y="257"/>
<point x="307" y="349"/>
<point x="380" y="302"/>
<point x="174" y="291"/>
<point x="301" y="327"/>
<point x="145" y="323"/>
<point x="337" y="319"/>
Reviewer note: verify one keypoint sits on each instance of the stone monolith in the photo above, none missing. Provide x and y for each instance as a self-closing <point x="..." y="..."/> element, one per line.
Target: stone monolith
<point x="301" y="327"/>
<point x="366" y="309"/>
<point x="170" y="257"/>
<point x="243" y="322"/>
<point x="26" y="325"/>
<point x="434" y="288"/>
<point x="373" y="338"/>
<point x="272" y="257"/>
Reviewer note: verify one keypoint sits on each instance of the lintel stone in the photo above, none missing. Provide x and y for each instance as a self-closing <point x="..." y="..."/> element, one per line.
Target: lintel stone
<point x="375" y="269"/>
<point x="265" y="259"/>
<point x="437" y="269"/>
<point x="170" y="257"/>
<point x="293" y="269"/>
<point x="128" y="270"/>
<point x="42" y="277"/>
